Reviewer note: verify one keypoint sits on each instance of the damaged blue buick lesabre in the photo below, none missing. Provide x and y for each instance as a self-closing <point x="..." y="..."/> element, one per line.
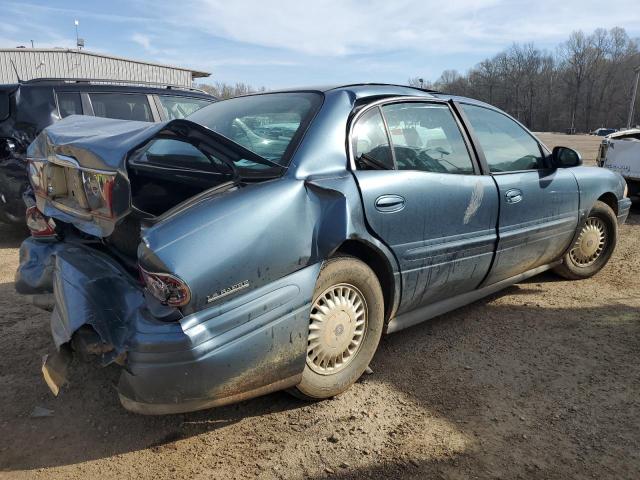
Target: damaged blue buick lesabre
<point x="268" y="241"/>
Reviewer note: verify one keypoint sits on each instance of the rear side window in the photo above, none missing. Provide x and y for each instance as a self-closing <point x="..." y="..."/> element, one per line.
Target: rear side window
<point x="506" y="145"/>
<point x="69" y="104"/>
<point x="4" y="106"/>
<point x="425" y="136"/>
<point x="370" y="142"/>
<point x="180" y="107"/>
<point x="123" y="106"/>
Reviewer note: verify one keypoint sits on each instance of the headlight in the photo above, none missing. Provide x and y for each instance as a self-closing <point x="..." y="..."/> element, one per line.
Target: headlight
<point x="626" y="190"/>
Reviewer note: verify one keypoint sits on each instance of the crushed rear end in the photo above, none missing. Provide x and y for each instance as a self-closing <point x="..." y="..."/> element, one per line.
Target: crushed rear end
<point x="120" y="294"/>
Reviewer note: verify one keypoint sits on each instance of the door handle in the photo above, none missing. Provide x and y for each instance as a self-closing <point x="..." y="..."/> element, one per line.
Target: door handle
<point x="513" y="196"/>
<point x="389" y="203"/>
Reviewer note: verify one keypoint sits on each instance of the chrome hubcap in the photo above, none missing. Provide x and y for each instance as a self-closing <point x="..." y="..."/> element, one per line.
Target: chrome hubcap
<point x="336" y="329"/>
<point x="590" y="243"/>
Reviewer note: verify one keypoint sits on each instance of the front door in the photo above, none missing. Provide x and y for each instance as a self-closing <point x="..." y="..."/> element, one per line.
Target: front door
<point x="424" y="197"/>
<point x="538" y="205"/>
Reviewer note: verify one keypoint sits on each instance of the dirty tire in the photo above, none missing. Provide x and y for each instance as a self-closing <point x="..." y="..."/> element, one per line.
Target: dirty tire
<point x="600" y="214"/>
<point x="350" y="275"/>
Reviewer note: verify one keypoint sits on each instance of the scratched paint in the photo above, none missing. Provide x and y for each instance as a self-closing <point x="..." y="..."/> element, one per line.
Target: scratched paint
<point x="474" y="203"/>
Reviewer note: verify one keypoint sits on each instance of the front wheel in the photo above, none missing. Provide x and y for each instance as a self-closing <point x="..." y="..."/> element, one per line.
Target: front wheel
<point x="593" y="247"/>
<point x="345" y="325"/>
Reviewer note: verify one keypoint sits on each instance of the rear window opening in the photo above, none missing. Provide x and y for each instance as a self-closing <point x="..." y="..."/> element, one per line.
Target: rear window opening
<point x="167" y="171"/>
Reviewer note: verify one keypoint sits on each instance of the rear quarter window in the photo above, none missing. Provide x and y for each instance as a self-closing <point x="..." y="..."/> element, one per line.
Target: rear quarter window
<point x="181" y="107"/>
<point x="69" y="103"/>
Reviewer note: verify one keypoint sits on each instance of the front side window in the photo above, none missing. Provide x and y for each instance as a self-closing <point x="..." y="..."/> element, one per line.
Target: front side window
<point x="370" y="142"/>
<point x="122" y="106"/>
<point x="425" y="136"/>
<point x="269" y="125"/>
<point x="69" y="104"/>
<point x="181" y="107"/>
<point x="506" y="145"/>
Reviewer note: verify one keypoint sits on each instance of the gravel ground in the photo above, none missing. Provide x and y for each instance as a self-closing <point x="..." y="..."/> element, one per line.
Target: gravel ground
<point x="539" y="381"/>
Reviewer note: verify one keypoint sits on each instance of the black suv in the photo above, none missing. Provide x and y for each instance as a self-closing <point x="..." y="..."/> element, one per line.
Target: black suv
<point x="28" y="107"/>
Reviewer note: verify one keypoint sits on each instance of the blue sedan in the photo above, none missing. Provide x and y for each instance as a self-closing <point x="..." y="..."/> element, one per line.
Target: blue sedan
<point x="268" y="241"/>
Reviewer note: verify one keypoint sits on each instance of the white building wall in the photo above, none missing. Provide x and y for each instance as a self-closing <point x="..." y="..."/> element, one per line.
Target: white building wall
<point x="59" y="63"/>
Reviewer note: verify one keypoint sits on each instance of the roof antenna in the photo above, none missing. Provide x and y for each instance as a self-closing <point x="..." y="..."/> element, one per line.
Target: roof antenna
<point x="15" y="70"/>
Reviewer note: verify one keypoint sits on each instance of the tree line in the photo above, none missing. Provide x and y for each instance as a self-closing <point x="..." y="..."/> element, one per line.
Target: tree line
<point x="224" y="90"/>
<point x="586" y="83"/>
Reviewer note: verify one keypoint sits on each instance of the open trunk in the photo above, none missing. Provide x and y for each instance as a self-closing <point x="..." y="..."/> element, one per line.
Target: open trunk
<point x="110" y="178"/>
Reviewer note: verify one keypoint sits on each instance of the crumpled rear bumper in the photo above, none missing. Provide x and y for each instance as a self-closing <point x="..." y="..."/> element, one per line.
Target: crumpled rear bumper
<point x="247" y="346"/>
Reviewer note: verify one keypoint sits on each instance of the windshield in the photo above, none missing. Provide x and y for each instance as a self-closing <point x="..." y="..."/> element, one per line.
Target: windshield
<point x="269" y="125"/>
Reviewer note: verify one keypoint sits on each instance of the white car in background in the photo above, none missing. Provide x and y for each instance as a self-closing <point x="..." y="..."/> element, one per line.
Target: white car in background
<point x="620" y="152"/>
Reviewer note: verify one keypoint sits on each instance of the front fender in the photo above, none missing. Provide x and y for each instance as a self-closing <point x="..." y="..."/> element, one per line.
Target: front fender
<point x="594" y="182"/>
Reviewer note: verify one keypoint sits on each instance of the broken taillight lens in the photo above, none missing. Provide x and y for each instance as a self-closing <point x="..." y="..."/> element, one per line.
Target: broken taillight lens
<point x="168" y="289"/>
<point x="39" y="225"/>
<point x="98" y="189"/>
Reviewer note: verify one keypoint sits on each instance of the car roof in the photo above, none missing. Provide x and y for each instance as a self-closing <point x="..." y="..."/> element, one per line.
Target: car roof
<point x="362" y="91"/>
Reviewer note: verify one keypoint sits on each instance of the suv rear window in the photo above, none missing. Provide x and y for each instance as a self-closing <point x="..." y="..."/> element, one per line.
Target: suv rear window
<point x="4" y="106"/>
<point x="180" y="107"/>
<point x="123" y="106"/>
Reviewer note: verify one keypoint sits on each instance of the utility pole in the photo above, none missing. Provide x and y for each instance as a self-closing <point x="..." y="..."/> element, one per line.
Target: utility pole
<point x="633" y="97"/>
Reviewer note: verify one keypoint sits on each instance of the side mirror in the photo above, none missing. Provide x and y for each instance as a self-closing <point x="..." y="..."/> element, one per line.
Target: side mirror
<point x="565" y="157"/>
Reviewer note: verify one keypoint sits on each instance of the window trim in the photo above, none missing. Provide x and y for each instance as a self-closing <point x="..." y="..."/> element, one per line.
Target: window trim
<point x="406" y="99"/>
<point x="481" y="155"/>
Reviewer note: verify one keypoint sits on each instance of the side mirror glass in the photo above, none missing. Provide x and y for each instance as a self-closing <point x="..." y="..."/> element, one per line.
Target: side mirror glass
<point x="565" y="157"/>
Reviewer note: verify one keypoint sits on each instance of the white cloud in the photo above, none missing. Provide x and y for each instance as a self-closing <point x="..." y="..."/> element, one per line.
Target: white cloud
<point x="341" y="27"/>
<point x="143" y="40"/>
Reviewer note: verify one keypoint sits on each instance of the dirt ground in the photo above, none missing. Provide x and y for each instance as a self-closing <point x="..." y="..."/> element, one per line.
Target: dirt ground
<point x="539" y="381"/>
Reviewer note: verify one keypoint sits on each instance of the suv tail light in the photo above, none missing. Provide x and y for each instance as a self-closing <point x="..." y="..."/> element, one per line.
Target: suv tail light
<point x="168" y="289"/>
<point x="39" y="225"/>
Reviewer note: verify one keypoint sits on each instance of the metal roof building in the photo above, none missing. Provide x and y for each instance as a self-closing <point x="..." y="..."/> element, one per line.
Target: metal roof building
<point x="33" y="63"/>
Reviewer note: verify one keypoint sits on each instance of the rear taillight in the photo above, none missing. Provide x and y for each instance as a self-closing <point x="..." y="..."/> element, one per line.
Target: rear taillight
<point x="39" y="225"/>
<point x="91" y="191"/>
<point x="168" y="289"/>
<point x="98" y="189"/>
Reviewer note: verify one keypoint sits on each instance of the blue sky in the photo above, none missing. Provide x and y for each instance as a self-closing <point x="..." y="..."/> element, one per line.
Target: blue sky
<point x="289" y="43"/>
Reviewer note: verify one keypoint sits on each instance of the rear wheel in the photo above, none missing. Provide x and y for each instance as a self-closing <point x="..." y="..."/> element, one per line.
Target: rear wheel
<point x="593" y="247"/>
<point x="345" y="325"/>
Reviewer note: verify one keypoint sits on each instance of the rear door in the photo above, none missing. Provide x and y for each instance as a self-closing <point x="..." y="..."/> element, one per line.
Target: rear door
<point x="538" y="205"/>
<point x="424" y="196"/>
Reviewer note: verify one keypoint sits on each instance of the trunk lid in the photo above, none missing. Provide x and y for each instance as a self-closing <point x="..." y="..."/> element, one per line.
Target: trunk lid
<point x="81" y="172"/>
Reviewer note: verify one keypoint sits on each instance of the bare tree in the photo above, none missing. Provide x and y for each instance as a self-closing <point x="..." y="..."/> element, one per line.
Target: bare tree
<point x="584" y="85"/>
